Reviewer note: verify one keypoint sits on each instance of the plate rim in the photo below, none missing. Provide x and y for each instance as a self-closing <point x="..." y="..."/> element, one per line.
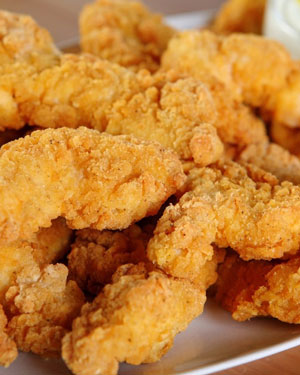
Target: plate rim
<point x="248" y="357"/>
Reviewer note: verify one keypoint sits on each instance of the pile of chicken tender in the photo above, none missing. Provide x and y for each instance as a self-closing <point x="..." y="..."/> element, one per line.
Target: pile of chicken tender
<point x="139" y="173"/>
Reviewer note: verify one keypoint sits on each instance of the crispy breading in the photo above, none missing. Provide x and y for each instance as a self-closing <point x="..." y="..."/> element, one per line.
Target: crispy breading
<point x="205" y="145"/>
<point x="181" y="245"/>
<point x="25" y="49"/>
<point x="92" y="179"/>
<point x="125" y="32"/>
<point x="8" y="349"/>
<point x="54" y="97"/>
<point x="174" y="110"/>
<point x="229" y="205"/>
<point x="274" y="159"/>
<point x="260" y="288"/>
<point x="234" y="121"/>
<point x="21" y="39"/>
<point x="242" y="16"/>
<point x="239" y="61"/>
<point x="207" y="274"/>
<point x="253" y="79"/>
<point x="96" y="255"/>
<point x="46" y="246"/>
<point x="134" y="319"/>
<point x="115" y="100"/>
<point x="41" y="307"/>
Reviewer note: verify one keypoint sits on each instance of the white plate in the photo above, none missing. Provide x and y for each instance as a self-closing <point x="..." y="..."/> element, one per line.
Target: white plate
<point x="213" y="342"/>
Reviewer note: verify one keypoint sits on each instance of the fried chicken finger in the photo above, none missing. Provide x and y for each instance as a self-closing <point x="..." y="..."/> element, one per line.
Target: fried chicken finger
<point x="125" y="32"/>
<point x="134" y="319"/>
<point x="46" y="246"/>
<point x="229" y="205"/>
<point x="8" y="349"/>
<point x="260" y="288"/>
<point x="90" y="178"/>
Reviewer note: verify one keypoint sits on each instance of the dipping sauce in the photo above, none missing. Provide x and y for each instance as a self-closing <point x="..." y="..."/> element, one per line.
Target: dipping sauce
<point x="282" y="22"/>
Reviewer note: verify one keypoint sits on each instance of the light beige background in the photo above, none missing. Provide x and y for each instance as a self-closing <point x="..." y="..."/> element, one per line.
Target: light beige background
<point x="60" y="18"/>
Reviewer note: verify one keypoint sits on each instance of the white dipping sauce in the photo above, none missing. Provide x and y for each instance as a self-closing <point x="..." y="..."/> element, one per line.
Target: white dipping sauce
<point x="282" y="22"/>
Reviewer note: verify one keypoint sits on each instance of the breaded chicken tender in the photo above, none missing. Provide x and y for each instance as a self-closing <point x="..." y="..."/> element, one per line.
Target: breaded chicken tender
<point x="124" y="32"/>
<point x="260" y="288"/>
<point x="118" y="101"/>
<point x="91" y="179"/>
<point x="41" y="307"/>
<point x="8" y="349"/>
<point x="229" y="205"/>
<point x="133" y="320"/>
<point x="25" y="50"/>
<point x="235" y="122"/>
<point x="238" y="60"/>
<point x="179" y="112"/>
<point x="22" y="40"/>
<point x="242" y="16"/>
<point x="258" y="71"/>
<point x="46" y="246"/>
<point x="274" y="159"/>
<point x="96" y="255"/>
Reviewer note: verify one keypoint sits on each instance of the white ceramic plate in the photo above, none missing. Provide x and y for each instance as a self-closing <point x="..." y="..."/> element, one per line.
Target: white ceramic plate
<point x="213" y="342"/>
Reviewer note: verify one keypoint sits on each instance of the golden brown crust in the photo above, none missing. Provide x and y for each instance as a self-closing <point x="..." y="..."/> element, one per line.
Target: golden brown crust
<point x="90" y="178"/>
<point x="274" y="159"/>
<point x="181" y="245"/>
<point x="8" y="349"/>
<point x="124" y="32"/>
<point x="25" y="49"/>
<point x="255" y="79"/>
<point x="227" y="205"/>
<point x="96" y="255"/>
<point x="21" y="39"/>
<point x="205" y="145"/>
<point x="178" y="112"/>
<point x="239" y="62"/>
<point x="41" y="307"/>
<point x="172" y="111"/>
<point x="134" y="320"/>
<point x="260" y="288"/>
<point x="235" y="123"/>
<point x="44" y="247"/>
<point x="115" y="100"/>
